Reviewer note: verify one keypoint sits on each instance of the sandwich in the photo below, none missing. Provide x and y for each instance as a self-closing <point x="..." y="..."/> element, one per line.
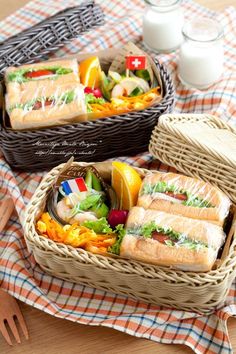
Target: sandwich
<point x="178" y="194"/>
<point x="170" y="240"/>
<point x="48" y="106"/>
<point x="28" y="77"/>
<point x="66" y="70"/>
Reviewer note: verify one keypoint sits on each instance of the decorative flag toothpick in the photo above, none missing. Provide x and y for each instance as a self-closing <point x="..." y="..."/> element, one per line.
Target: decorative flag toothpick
<point x="135" y="62"/>
<point x="74" y="185"/>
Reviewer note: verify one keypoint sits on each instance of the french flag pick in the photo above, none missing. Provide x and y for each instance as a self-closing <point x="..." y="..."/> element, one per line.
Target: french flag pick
<point x="135" y="62"/>
<point x="74" y="186"/>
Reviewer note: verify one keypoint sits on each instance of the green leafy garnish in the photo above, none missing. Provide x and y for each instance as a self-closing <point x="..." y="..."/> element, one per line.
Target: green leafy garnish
<point x="99" y="226"/>
<point x="120" y="231"/>
<point x="148" y="229"/>
<point x="90" y="98"/>
<point x="61" y="71"/>
<point x="68" y="97"/>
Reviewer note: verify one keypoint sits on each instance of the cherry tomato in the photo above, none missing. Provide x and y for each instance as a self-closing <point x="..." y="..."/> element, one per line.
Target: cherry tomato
<point x="96" y="92"/>
<point x="88" y="90"/>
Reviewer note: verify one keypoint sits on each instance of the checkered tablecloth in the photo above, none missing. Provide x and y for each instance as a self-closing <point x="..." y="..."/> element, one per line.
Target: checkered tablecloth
<point x="24" y="279"/>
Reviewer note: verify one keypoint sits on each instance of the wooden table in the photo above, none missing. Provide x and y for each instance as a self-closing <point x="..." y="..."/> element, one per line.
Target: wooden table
<point x="56" y="336"/>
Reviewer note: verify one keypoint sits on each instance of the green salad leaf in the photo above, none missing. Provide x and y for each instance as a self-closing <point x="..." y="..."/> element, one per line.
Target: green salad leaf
<point x="68" y="97"/>
<point x="90" y="98"/>
<point x="120" y="231"/>
<point x="99" y="226"/>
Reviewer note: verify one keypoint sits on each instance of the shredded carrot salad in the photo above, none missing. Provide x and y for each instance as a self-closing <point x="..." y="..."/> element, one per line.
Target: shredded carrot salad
<point x="74" y="235"/>
<point x="124" y="104"/>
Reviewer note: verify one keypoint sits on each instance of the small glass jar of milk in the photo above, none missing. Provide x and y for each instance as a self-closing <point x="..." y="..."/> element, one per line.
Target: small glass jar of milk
<point x="201" y="57"/>
<point x="162" y="25"/>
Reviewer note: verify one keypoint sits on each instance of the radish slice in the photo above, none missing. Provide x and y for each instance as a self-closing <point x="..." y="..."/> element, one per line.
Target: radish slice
<point x="117" y="217"/>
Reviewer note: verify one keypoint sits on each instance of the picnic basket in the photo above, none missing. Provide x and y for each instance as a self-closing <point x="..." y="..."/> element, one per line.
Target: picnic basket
<point x="125" y="134"/>
<point x="200" y="292"/>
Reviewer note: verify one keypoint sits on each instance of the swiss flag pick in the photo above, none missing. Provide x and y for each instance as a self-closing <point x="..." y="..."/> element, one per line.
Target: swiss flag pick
<point x="136" y="62"/>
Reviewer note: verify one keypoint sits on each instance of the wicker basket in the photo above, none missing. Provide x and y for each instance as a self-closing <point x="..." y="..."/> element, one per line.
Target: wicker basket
<point x="126" y="134"/>
<point x="192" y="157"/>
<point x="200" y="292"/>
<point x="49" y="35"/>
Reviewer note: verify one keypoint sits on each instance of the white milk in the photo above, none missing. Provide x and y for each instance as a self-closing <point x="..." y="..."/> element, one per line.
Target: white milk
<point x="201" y="56"/>
<point x="162" y="25"/>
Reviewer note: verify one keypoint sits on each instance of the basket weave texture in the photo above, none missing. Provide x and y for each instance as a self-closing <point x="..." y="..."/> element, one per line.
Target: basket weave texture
<point x="199" y="292"/>
<point x="126" y="134"/>
<point x="191" y="157"/>
<point x="49" y="35"/>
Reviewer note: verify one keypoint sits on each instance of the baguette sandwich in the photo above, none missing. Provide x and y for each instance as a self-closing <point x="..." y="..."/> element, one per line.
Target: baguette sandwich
<point x="48" y="106"/>
<point x="27" y="77"/>
<point x="67" y="70"/>
<point x="178" y="194"/>
<point x="163" y="239"/>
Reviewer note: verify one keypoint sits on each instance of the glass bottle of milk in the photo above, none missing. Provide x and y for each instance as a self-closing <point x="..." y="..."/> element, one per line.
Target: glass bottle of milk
<point x="162" y="25"/>
<point x="201" y="55"/>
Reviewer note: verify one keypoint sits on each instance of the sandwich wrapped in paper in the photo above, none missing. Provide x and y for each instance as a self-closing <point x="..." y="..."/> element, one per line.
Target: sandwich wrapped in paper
<point x="25" y="77"/>
<point x="163" y="239"/>
<point x="44" y="94"/>
<point x="178" y="194"/>
<point x="47" y="105"/>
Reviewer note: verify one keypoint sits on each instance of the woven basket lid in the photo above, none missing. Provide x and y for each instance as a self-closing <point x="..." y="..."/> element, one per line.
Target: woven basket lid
<point x="47" y="36"/>
<point x="200" y="145"/>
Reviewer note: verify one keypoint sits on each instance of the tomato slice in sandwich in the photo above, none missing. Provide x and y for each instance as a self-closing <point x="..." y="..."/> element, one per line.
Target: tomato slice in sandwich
<point x="179" y="196"/>
<point x="38" y="73"/>
<point x="160" y="237"/>
<point x="39" y="104"/>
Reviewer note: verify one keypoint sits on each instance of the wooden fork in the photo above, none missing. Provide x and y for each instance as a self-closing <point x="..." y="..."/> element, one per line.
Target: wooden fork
<point x="9" y="309"/>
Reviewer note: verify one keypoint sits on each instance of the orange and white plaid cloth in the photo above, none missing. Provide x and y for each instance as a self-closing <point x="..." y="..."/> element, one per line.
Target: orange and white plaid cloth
<point x="19" y="273"/>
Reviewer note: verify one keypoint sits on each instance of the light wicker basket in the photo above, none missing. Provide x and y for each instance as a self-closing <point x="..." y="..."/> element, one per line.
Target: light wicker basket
<point x="192" y="157"/>
<point x="199" y="292"/>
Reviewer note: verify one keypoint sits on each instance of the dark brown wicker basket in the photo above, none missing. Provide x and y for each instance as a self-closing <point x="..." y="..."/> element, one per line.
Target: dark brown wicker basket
<point x="126" y="134"/>
<point x="119" y="135"/>
<point x="49" y="35"/>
